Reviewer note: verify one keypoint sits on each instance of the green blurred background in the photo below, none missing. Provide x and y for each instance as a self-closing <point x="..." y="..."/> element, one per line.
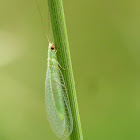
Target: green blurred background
<point x="104" y="39"/>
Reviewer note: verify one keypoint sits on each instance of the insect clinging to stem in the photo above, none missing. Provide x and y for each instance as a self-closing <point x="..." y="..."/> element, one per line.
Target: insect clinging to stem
<point x="56" y="96"/>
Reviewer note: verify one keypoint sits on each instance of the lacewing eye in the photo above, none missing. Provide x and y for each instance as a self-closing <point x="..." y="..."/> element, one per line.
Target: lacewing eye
<point x="52" y="47"/>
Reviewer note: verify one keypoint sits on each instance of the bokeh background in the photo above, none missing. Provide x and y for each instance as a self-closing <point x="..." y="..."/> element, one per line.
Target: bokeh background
<point x="104" y="39"/>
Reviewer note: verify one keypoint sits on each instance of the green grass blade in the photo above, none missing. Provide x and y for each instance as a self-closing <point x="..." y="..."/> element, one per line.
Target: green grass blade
<point x="63" y="56"/>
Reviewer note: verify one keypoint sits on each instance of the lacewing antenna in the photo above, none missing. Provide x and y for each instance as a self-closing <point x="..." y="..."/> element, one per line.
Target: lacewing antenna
<point x="42" y="20"/>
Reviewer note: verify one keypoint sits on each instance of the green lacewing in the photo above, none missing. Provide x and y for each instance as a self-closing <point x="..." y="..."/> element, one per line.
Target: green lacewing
<point x="56" y="96"/>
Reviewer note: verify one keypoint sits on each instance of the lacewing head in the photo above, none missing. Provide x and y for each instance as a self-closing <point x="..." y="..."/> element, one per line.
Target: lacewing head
<point x="51" y="46"/>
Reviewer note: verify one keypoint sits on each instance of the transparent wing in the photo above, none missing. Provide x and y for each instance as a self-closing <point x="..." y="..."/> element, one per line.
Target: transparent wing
<point x="68" y="114"/>
<point x="57" y="104"/>
<point x="57" y="124"/>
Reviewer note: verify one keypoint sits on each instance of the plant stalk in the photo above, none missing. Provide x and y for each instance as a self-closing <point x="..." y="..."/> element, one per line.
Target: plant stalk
<point x="60" y="36"/>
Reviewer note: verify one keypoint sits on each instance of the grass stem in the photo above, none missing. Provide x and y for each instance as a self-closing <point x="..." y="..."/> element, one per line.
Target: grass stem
<point x="63" y="55"/>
